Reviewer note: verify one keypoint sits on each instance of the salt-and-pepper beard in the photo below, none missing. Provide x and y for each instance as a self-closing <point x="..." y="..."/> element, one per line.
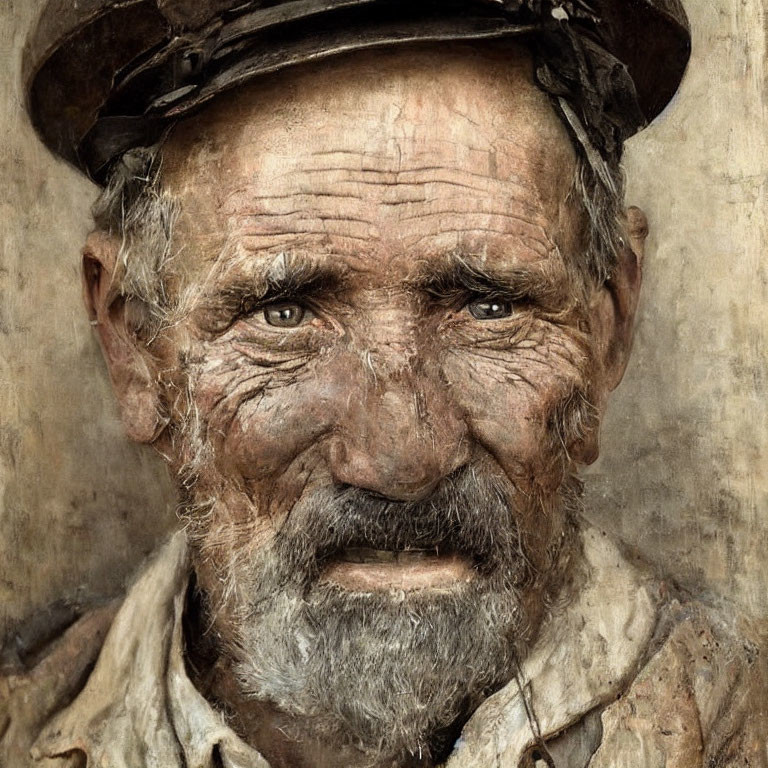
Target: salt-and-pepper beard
<point x="386" y="672"/>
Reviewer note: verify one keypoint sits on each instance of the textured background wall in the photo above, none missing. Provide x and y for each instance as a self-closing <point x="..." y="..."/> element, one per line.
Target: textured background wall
<point x="78" y="503"/>
<point x="683" y="473"/>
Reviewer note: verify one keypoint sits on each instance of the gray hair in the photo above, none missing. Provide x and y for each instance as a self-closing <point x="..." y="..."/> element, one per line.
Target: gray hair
<point x="134" y="207"/>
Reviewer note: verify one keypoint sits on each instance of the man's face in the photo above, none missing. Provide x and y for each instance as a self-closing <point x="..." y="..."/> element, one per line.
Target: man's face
<point x="380" y="377"/>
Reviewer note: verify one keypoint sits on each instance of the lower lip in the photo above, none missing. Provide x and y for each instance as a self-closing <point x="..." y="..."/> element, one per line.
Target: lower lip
<point x="431" y="572"/>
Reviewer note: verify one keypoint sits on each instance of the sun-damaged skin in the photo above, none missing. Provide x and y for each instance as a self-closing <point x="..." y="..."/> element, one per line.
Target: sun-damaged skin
<point x="375" y="179"/>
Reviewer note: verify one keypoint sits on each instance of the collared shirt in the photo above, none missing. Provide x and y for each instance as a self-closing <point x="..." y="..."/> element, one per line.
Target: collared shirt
<point x="619" y="677"/>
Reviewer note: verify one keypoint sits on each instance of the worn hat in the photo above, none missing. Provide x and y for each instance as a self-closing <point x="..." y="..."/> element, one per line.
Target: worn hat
<point x="106" y="76"/>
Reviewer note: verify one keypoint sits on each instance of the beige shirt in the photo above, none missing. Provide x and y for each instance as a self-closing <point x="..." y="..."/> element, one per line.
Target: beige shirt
<point x="621" y="677"/>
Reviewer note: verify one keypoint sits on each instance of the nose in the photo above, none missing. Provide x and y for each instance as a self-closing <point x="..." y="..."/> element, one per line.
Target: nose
<point x="400" y="436"/>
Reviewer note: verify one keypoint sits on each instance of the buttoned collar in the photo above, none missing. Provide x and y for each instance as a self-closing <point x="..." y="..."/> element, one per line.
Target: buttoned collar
<point x="139" y="707"/>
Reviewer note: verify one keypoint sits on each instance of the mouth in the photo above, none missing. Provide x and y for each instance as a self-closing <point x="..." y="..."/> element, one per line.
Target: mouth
<point x="362" y="569"/>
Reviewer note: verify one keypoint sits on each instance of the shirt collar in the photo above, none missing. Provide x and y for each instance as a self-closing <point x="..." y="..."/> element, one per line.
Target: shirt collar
<point x="139" y="706"/>
<point x="584" y="656"/>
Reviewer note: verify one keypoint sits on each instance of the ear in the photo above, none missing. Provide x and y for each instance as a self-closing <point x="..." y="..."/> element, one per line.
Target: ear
<point x="130" y="365"/>
<point x="618" y="300"/>
<point x="613" y="321"/>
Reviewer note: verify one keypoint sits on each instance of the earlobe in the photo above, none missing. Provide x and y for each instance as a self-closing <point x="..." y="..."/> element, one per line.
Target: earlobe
<point x="129" y="363"/>
<point x="139" y="401"/>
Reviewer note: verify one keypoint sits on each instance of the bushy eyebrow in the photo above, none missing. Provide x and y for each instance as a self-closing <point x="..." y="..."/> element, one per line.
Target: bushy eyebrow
<point x="286" y="277"/>
<point x="459" y="276"/>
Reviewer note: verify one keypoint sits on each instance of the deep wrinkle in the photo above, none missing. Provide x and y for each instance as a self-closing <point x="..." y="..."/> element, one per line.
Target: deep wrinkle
<point x="388" y="385"/>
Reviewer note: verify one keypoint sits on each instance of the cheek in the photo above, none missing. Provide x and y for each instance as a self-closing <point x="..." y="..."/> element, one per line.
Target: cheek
<point x="268" y="421"/>
<point x="512" y="399"/>
<point x="272" y="430"/>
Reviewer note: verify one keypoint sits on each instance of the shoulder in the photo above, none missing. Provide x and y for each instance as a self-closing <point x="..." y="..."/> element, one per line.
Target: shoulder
<point x="700" y="698"/>
<point x="89" y="663"/>
<point x="31" y="693"/>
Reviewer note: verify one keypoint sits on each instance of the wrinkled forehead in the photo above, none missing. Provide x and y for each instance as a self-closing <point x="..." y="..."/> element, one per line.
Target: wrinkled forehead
<point x="372" y="133"/>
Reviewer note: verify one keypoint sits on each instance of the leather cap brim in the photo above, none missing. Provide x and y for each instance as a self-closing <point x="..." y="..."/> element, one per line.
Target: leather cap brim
<point x="103" y="75"/>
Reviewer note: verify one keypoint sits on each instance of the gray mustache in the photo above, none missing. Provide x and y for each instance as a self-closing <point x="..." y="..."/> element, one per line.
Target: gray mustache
<point x="467" y="513"/>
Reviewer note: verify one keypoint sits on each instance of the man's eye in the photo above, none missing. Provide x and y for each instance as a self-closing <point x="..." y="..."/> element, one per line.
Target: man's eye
<point x="482" y="309"/>
<point x="284" y="315"/>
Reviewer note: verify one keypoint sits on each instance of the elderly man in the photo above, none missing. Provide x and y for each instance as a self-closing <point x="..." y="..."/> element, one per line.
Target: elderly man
<point x="369" y="307"/>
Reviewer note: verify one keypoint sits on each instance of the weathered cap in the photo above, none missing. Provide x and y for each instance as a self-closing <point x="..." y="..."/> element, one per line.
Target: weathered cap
<point x="105" y="76"/>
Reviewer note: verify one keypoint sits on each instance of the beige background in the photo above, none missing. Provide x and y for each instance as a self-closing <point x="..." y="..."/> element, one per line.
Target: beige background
<point x="685" y="443"/>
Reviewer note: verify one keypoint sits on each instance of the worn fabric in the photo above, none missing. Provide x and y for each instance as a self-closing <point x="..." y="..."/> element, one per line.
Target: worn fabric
<point x="622" y="675"/>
